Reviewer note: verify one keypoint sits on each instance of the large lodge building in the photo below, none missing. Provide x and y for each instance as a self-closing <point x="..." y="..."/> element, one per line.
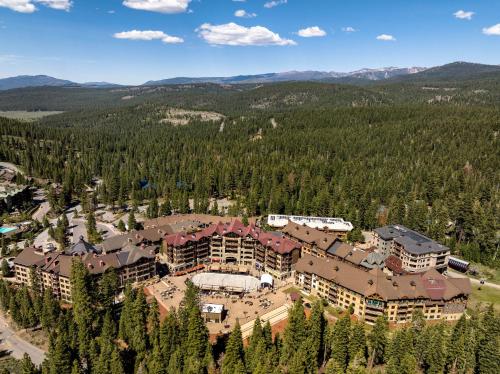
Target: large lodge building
<point x="132" y="263"/>
<point x="401" y="276"/>
<point x="373" y="293"/>
<point x="232" y="243"/>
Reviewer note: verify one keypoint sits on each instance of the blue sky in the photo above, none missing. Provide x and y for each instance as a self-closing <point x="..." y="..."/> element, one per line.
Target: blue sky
<point x="132" y="41"/>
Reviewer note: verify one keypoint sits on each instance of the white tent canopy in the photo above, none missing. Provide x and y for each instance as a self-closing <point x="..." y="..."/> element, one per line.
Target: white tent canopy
<point x="266" y="279"/>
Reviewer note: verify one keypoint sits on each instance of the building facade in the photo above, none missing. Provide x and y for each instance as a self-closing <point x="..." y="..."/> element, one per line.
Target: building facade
<point x="313" y="241"/>
<point x="232" y="243"/>
<point x="132" y="264"/>
<point x="373" y="293"/>
<point x="417" y="252"/>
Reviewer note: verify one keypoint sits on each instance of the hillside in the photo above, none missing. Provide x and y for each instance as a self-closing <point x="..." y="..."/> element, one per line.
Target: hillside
<point x="32" y="81"/>
<point x="456" y="71"/>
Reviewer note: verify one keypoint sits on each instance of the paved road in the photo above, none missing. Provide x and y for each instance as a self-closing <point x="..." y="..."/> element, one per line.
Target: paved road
<point x="475" y="281"/>
<point x="17" y="346"/>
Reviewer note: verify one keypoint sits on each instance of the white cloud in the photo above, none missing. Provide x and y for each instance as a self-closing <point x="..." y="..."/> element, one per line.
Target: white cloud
<point x="310" y="32"/>
<point x="239" y="1"/>
<point x="272" y="4"/>
<point x="28" y="6"/>
<point x="111" y="12"/>
<point x="493" y="30"/>
<point x="148" y="35"/>
<point x="386" y="38"/>
<point x="234" y="34"/>
<point x="243" y="14"/>
<point x="349" y="29"/>
<point x="23" y="6"/>
<point x="462" y="14"/>
<point x="160" y="6"/>
<point x="57" y="4"/>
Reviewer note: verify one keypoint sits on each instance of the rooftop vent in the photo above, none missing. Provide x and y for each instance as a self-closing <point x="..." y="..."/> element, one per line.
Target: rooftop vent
<point x="336" y="268"/>
<point x="311" y="263"/>
<point x="395" y="284"/>
<point x="370" y="281"/>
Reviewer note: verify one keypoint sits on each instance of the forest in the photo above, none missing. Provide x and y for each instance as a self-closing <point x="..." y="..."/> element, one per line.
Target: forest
<point x="432" y="167"/>
<point x="96" y="336"/>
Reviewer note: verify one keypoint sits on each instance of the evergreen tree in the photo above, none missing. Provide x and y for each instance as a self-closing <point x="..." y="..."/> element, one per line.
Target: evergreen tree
<point x="234" y="356"/>
<point x="378" y="340"/>
<point x="294" y="333"/>
<point x="132" y="223"/>
<point x="340" y="341"/>
<point x="121" y="226"/>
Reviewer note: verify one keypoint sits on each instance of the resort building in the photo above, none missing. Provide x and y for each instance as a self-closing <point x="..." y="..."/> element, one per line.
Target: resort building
<point x="373" y="293"/>
<point x="232" y="243"/>
<point x="417" y="252"/>
<point x="133" y="264"/>
<point x="336" y="226"/>
<point x="313" y="241"/>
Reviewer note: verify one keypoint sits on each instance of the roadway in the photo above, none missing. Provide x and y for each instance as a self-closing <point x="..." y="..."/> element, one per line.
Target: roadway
<point x="454" y="274"/>
<point x="17" y="346"/>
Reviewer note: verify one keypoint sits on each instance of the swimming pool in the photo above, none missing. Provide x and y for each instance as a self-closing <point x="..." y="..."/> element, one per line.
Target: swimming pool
<point x="5" y="230"/>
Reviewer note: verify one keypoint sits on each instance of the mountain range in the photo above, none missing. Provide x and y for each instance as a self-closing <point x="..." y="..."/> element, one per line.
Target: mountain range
<point x="453" y="71"/>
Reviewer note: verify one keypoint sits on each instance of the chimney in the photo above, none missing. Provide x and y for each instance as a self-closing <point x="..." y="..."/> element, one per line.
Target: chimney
<point x="101" y="263"/>
<point x="370" y="281"/>
<point x="90" y="266"/>
<point x="56" y="262"/>
<point x="395" y="284"/>
<point x="47" y="259"/>
<point x="336" y="268"/>
<point x="413" y="285"/>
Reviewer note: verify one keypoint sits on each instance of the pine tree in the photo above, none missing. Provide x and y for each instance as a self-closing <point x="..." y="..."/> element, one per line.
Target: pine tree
<point x="27" y="366"/>
<point x="233" y="355"/>
<point x="340" y="341"/>
<point x="316" y="330"/>
<point x="254" y="341"/>
<point x="82" y="307"/>
<point x="378" y="340"/>
<point x="132" y="223"/>
<point x="294" y="333"/>
<point x="357" y="343"/>
<point x="489" y="345"/>
<point x="121" y="226"/>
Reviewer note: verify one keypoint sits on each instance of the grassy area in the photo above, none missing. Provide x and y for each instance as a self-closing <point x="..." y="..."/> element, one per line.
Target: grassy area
<point x="487" y="273"/>
<point x="485" y="295"/>
<point x="27" y="116"/>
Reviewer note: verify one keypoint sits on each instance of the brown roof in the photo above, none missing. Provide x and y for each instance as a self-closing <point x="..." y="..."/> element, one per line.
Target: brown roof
<point x="375" y="282"/>
<point x="30" y="257"/>
<point x="117" y="242"/>
<point x="60" y="263"/>
<point x="347" y="252"/>
<point x="309" y="235"/>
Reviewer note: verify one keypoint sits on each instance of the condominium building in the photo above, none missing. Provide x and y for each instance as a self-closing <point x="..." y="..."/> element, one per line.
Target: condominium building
<point x="417" y="252"/>
<point x="373" y="293"/>
<point x="133" y="264"/>
<point x="313" y="241"/>
<point x="232" y="243"/>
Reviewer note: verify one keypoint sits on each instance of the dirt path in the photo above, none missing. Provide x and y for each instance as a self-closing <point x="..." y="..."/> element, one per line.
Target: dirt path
<point x="18" y="346"/>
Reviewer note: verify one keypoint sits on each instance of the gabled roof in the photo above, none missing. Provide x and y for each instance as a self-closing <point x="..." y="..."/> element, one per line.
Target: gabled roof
<point x="430" y="285"/>
<point x="309" y="235"/>
<point x="81" y="247"/>
<point x="30" y="257"/>
<point x="278" y="243"/>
